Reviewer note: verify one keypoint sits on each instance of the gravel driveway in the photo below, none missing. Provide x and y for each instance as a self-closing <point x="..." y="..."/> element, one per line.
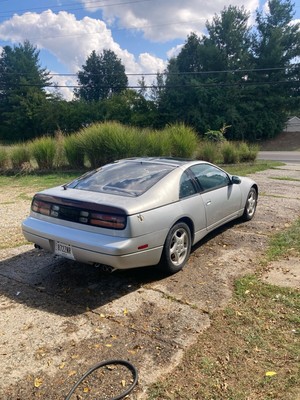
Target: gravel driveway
<point x="58" y="317"/>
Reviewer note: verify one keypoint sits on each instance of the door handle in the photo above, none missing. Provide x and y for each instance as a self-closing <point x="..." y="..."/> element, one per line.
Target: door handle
<point x="208" y="203"/>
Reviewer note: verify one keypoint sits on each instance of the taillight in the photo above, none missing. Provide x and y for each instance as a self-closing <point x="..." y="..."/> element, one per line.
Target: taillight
<point x="77" y="214"/>
<point x="108" y="221"/>
<point x="41" y="207"/>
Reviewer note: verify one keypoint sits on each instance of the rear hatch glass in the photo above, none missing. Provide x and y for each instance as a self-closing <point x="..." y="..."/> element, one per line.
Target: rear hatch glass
<point x="124" y="178"/>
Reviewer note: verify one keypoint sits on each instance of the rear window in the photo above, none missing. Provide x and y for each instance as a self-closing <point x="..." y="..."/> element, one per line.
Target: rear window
<point x="127" y="179"/>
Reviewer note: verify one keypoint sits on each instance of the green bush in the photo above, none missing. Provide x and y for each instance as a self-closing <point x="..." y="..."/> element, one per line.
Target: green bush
<point x="183" y="140"/>
<point x="43" y="151"/>
<point x="229" y="153"/>
<point x="74" y="151"/>
<point x="253" y="151"/>
<point x="60" y="155"/>
<point x="208" y="151"/>
<point x="3" y="158"/>
<point x="217" y="136"/>
<point x="19" y="155"/>
<point x="157" y="144"/>
<point x="109" y="141"/>
<point x="120" y="141"/>
<point x="91" y="140"/>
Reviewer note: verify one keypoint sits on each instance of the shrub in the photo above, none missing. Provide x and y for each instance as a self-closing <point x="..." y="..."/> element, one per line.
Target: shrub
<point x="253" y="151"/>
<point x="183" y="140"/>
<point x="60" y="156"/>
<point x="208" y="151"/>
<point x="217" y="136"/>
<point x="91" y="140"/>
<point x="3" y="158"/>
<point x="105" y="142"/>
<point x="108" y="141"/>
<point x="74" y="151"/>
<point x="19" y="155"/>
<point x="120" y="141"/>
<point x="157" y="144"/>
<point x="43" y="151"/>
<point x="229" y="153"/>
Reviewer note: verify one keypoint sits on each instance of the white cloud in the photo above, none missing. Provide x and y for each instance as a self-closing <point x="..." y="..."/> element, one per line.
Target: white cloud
<point x="71" y="41"/>
<point x="162" y="21"/>
<point x="174" y="51"/>
<point x="64" y="85"/>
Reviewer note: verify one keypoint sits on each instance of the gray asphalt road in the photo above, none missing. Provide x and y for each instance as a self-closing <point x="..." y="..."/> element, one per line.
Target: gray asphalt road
<point x="284" y="156"/>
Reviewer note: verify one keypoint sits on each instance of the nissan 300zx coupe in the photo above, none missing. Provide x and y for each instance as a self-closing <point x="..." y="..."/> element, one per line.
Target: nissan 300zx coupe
<point x="138" y="212"/>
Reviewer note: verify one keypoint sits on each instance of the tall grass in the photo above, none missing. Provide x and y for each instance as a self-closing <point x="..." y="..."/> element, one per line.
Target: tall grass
<point x="43" y="151"/>
<point x="120" y="141"/>
<point x="156" y="144"/>
<point x="60" y="156"/>
<point x="230" y="153"/>
<point x="74" y="151"/>
<point x="19" y="155"/>
<point x="101" y="143"/>
<point x="106" y="142"/>
<point x="3" y="158"/>
<point x="183" y="140"/>
<point x="208" y="151"/>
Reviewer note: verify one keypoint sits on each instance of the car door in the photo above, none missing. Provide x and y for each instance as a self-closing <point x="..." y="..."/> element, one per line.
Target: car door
<point x="221" y="198"/>
<point x="192" y="204"/>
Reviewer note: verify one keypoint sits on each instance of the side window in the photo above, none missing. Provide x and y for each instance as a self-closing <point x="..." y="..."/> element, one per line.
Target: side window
<point x="210" y="177"/>
<point x="187" y="187"/>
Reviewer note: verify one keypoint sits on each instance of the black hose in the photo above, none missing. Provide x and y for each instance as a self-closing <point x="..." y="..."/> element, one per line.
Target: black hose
<point x="102" y="364"/>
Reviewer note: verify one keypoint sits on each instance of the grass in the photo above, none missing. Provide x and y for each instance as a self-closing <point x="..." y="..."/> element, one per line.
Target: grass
<point x="244" y="169"/>
<point x="38" y="181"/>
<point x="285" y="243"/>
<point x="250" y="352"/>
<point x="252" y="349"/>
<point x="285" y="178"/>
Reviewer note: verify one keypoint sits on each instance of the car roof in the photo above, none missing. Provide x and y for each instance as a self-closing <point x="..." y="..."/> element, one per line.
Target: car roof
<point x="172" y="161"/>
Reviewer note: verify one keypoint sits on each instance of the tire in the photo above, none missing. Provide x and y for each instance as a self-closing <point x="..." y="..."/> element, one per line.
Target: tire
<point x="177" y="248"/>
<point x="250" y="206"/>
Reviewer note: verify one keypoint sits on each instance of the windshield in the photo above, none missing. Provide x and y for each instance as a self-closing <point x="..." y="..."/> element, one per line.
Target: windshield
<point x="124" y="178"/>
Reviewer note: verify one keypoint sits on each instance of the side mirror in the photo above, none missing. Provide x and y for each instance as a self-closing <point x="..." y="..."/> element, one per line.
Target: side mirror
<point x="235" y="180"/>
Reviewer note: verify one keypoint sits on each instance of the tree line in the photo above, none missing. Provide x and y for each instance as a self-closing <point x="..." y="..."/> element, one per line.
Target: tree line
<point x="245" y="77"/>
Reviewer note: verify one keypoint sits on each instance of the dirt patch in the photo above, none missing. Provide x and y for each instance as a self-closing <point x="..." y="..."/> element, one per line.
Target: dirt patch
<point x="284" y="273"/>
<point x="58" y="318"/>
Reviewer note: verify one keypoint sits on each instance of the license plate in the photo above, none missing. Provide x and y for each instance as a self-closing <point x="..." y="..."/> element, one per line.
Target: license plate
<point x="63" y="249"/>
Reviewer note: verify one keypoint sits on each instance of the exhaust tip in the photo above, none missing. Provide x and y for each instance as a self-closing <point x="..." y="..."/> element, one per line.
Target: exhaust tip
<point x="105" y="268"/>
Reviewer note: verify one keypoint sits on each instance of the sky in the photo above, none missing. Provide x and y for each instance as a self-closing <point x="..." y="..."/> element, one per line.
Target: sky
<point x="144" y="34"/>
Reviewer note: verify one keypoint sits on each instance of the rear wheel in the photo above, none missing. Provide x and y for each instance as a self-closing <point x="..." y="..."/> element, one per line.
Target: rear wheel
<point x="250" y="206"/>
<point x="177" y="248"/>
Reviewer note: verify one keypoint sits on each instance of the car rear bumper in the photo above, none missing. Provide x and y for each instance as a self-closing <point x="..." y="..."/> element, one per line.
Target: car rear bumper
<point x="91" y="247"/>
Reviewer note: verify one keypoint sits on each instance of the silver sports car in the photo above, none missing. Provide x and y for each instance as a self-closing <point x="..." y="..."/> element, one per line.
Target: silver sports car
<point x="138" y="212"/>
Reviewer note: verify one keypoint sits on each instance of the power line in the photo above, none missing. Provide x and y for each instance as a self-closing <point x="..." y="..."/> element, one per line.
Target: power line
<point x="230" y="71"/>
<point x="202" y="84"/>
<point x="99" y="5"/>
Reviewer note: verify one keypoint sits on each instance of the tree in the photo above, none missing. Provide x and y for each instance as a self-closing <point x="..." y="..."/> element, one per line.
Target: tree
<point x="276" y="45"/>
<point x="130" y="108"/>
<point x="238" y="76"/>
<point x="22" y="92"/>
<point x="102" y="76"/>
<point x="201" y="88"/>
<point x="229" y="33"/>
